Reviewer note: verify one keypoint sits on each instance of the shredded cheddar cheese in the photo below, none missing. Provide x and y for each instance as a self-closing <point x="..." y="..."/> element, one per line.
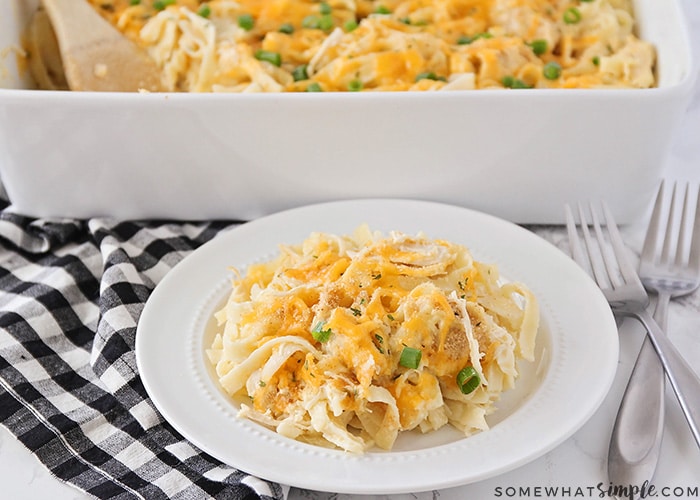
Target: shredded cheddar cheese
<point x="391" y="45"/>
<point x="346" y="341"/>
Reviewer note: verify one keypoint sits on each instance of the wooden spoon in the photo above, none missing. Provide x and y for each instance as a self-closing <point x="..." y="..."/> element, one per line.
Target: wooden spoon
<point x="96" y="56"/>
<point x="45" y="61"/>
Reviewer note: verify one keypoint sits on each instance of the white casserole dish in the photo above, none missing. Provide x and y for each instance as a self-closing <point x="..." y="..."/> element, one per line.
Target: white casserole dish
<point x="518" y="154"/>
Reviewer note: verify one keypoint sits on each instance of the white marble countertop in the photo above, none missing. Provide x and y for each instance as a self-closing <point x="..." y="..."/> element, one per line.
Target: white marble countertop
<point x="576" y="468"/>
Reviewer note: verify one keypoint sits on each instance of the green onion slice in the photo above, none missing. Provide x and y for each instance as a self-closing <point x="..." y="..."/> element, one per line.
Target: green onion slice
<point x="204" y="10"/>
<point x="271" y="57"/>
<point x="246" y="21"/>
<point x="324" y="8"/>
<point x="355" y="86"/>
<point x="300" y="73"/>
<point x="429" y="75"/>
<point x="350" y="25"/>
<point x="514" y="83"/>
<point x="466" y="39"/>
<point x="319" y="334"/>
<point x="326" y="22"/>
<point x="310" y="22"/>
<point x="410" y="357"/>
<point x="572" y="15"/>
<point x="162" y="4"/>
<point x="287" y="28"/>
<point x="551" y="70"/>
<point x="468" y="380"/>
<point x="539" y="46"/>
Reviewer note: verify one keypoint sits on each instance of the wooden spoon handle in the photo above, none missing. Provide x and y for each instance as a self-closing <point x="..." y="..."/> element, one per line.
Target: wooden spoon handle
<point x="96" y="56"/>
<point x="45" y="61"/>
<point x="77" y="24"/>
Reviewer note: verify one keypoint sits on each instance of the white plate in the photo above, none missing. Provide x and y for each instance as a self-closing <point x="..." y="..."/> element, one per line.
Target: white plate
<point x="577" y="353"/>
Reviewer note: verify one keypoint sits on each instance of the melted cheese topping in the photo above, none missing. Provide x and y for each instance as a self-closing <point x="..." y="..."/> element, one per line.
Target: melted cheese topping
<point x="314" y="338"/>
<point x="340" y="45"/>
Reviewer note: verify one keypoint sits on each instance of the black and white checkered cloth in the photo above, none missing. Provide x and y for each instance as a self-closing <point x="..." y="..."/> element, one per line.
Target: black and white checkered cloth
<point x="71" y="293"/>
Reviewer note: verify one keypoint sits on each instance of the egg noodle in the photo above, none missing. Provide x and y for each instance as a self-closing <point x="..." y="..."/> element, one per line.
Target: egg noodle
<point x="353" y="45"/>
<point x="345" y="341"/>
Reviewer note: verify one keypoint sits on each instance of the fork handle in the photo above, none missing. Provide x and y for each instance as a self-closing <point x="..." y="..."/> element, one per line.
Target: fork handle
<point x="635" y="442"/>
<point x="683" y="379"/>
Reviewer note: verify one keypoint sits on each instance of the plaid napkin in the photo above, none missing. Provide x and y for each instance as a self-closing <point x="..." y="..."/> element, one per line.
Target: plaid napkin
<point x="71" y="293"/>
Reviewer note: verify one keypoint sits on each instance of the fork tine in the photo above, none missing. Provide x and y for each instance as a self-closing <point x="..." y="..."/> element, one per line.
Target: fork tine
<point x="694" y="259"/>
<point x="609" y="259"/>
<point x="577" y="252"/>
<point x="590" y="248"/>
<point x="668" y="237"/>
<point x="650" y="240"/>
<point x="683" y="228"/>
<point x="626" y="268"/>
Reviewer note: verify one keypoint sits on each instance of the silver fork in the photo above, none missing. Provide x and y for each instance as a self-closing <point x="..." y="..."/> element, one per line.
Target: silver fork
<point x="618" y="280"/>
<point x="636" y="437"/>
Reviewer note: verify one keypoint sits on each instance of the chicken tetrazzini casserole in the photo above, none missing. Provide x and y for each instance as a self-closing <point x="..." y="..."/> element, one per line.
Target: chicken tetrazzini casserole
<point x="353" y="45"/>
<point x="345" y="341"/>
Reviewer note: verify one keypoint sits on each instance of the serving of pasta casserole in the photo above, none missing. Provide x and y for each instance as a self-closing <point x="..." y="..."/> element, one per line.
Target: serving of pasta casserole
<point x="355" y="45"/>
<point x="346" y="341"/>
